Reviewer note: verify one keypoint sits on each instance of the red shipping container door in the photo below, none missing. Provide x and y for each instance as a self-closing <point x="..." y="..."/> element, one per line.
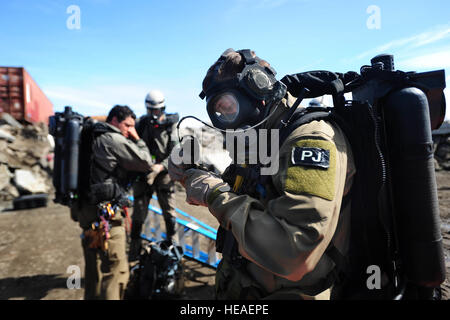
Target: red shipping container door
<point x="21" y="97"/>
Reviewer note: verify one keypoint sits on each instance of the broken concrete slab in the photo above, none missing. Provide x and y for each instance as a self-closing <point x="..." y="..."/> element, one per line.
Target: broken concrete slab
<point x="28" y="181"/>
<point x="7" y="118"/>
<point x="25" y="165"/>
<point x="6" y="136"/>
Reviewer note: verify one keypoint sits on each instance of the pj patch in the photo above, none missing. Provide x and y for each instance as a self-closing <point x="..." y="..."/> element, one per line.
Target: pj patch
<point x="311" y="157"/>
<point x="312" y="168"/>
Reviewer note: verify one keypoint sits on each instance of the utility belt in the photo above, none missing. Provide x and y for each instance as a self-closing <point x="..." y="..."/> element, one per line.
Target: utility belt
<point x="108" y="216"/>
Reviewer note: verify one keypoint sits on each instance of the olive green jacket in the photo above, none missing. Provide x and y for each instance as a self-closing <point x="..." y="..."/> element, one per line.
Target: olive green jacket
<point x="113" y="153"/>
<point x="115" y="158"/>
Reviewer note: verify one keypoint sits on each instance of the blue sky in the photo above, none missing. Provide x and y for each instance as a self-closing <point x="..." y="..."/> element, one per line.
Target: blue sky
<point x="125" y="48"/>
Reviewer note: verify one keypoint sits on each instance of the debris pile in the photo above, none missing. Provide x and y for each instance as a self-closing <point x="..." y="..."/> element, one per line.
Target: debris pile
<point x="25" y="159"/>
<point x="26" y="156"/>
<point x="212" y="152"/>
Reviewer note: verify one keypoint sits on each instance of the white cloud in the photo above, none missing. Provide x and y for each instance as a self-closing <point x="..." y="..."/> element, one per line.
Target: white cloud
<point x="95" y="100"/>
<point x="99" y="99"/>
<point x="62" y="96"/>
<point x="431" y="37"/>
<point x="428" y="62"/>
<point x="436" y="34"/>
<point x="433" y="60"/>
<point x="415" y="53"/>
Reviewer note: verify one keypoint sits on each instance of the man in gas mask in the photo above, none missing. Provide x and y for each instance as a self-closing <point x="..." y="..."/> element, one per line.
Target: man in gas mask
<point x="277" y="232"/>
<point x="156" y="128"/>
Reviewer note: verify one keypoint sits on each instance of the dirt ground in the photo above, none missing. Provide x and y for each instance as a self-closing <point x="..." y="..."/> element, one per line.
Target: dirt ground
<point x="38" y="246"/>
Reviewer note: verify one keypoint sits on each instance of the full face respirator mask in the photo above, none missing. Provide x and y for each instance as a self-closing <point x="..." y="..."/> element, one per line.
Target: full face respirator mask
<point x="155" y="104"/>
<point x="246" y="99"/>
<point x="155" y="113"/>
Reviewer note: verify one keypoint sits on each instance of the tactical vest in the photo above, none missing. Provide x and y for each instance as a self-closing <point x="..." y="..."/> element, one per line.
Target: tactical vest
<point x="151" y="132"/>
<point x="394" y="205"/>
<point x="111" y="186"/>
<point x="372" y="241"/>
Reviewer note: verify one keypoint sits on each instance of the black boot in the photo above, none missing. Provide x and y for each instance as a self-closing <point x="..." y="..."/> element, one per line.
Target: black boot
<point x="170" y="226"/>
<point x="135" y="243"/>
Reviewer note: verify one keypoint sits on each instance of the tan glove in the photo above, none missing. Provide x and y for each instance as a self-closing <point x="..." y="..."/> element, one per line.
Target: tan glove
<point x="176" y="171"/>
<point x="181" y="157"/>
<point x="202" y="186"/>
<point x="156" y="169"/>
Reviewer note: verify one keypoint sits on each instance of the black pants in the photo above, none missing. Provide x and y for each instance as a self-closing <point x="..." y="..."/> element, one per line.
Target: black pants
<point x="165" y="191"/>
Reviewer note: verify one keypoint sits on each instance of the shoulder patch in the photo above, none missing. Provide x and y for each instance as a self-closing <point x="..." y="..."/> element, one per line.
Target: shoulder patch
<point x="311" y="168"/>
<point x="312" y="157"/>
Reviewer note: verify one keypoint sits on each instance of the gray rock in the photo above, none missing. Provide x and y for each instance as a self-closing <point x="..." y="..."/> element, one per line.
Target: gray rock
<point x="3" y="148"/>
<point x="5" y="176"/>
<point x="7" y="118"/>
<point x="9" y="193"/>
<point x="6" y="136"/>
<point x="28" y="181"/>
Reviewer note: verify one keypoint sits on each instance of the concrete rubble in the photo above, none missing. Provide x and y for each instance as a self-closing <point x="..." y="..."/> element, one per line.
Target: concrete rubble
<point x="26" y="156"/>
<point x="25" y="159"/>
<point x="212" y="152"/>
<point x="27" y="151"/>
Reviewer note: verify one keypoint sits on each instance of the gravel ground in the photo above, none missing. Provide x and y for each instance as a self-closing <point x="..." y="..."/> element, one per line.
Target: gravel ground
<point x="38" y="246"/>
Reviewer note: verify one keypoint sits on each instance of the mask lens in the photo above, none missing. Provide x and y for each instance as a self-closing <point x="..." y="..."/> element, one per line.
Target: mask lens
<point x="226" y="107"/>
<point x="155" y="111"/>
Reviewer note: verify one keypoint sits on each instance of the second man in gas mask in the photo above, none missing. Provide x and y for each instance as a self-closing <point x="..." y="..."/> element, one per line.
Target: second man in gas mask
<point x="156" y="128"/>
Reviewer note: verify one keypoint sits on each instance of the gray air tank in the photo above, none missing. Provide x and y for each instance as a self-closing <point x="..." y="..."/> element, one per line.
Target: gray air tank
<point x="404" y="111"/>
<point x="66" y="128"/>
<point x="414" y="187"/>
<point x="72" y="146"/>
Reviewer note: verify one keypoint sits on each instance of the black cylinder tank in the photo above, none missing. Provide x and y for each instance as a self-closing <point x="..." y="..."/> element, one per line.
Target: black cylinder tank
<point x="410" y="145"/>
<point x="72" y="146"/>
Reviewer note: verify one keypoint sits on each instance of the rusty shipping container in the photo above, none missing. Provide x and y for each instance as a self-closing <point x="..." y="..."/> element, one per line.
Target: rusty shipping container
<point x="21" y="97"/>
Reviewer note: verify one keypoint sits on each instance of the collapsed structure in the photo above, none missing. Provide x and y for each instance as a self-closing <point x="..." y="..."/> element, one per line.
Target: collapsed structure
<point x="25" y="159"/>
